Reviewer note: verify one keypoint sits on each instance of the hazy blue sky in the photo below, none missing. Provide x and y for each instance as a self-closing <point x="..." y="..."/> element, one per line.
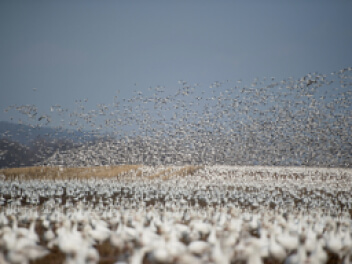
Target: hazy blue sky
<point x="70" y="50"/>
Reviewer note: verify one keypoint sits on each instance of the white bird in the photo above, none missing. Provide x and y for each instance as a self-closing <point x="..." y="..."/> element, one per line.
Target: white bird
<point x="276" y="250"/>
<point x="288" y="241"/>
<point x="100" y="233"/>
<point x="198" y="247"/>
<point x="249" y="250"/>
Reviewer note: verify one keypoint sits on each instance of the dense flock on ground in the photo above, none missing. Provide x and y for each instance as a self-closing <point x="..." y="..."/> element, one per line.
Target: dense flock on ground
<point x="206" y="214"/>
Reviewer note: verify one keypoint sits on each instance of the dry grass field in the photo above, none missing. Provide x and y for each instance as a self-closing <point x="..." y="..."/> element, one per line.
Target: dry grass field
<point x="101" y="172"/>
<point x="56" y="173"/>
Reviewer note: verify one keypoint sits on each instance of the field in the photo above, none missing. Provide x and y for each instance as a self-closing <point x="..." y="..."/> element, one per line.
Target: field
<point x="191" y="214"/>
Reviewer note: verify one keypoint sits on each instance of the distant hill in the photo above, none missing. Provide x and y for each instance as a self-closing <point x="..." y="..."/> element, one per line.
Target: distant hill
<point x="23" y="145"/>
<point x="14" y="154"/>
<point x="25" y="134"/>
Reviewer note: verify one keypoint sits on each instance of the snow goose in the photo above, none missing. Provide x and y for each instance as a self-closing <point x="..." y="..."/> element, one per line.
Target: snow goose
<point x="310" y="240"/>
<point x="9" y="239"/>
<point x="33" y="251"/>
<point x="188" y="258"/>
<point x="203" y="229"/>
<point x="24" y="250"/>
<point x="287" y="240"/>
<point x="160" y="254"/>
<point x="198" y="247"/>
<point x="15" y="257"/>
<point x="319" y="255"/>
<point x="19" y="231"/>
<point x="333" y="240"/>
<point x="347" y="246"/>
<point x="219" y="255"/>
<point x="49" y="235"/>
<point x="100" y="232"/>
<point x="264" y="242"/>
<point x="32" y="235"/>
<point x="276" y="251"/>
<point x="138" y="255"/>
<point x="249" y="250"/>
<point x="69" y="242"/>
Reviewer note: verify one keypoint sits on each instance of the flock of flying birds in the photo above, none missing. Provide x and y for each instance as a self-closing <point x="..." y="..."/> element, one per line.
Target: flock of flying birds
<point x="305" y="121"/>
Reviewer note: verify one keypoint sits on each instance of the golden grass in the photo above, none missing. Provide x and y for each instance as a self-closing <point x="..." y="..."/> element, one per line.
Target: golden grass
<point x="41" y="172"/>
<point x="189" y="170"/>
<point x="101" y="172"/>
<point x="160" y="174"/>
<point x="168" y="173"/>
